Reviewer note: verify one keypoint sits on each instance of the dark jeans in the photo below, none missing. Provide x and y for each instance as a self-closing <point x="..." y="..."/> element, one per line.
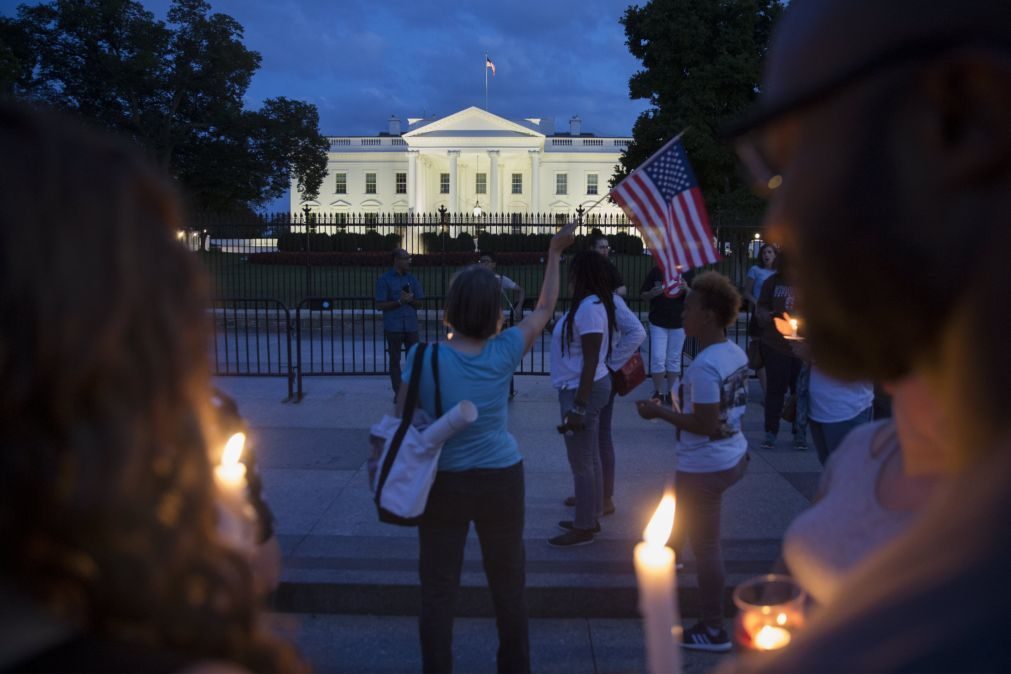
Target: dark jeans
<point x="700" y="501"/>
<point x="395" y="342"/>
<point x="494" y="500"/>
<point x="828" y="436"/>
<point x="781" y="370"/>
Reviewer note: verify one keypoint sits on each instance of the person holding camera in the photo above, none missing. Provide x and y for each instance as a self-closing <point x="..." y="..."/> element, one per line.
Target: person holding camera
<point x="396" y="293"/>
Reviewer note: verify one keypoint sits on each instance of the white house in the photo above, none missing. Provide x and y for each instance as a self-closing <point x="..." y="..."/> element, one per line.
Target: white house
<point x="471" y="159"/>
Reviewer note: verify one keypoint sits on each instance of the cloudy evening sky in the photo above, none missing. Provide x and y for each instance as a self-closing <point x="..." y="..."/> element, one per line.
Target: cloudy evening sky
<point x="360" y="61"/>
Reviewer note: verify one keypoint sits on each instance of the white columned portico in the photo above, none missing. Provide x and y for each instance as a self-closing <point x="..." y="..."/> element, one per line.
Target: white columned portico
<point x="535" y="181"/>
<point x="412" y="181"/>
<point x="454" y="205"/>
<point x="496" y="199"/>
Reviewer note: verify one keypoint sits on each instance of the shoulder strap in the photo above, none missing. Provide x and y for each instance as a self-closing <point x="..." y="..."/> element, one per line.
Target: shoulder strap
<point x="405" y="420"/>
<point x="435" y="374"/>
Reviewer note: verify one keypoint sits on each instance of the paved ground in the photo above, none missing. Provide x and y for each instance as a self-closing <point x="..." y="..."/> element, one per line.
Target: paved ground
<point x="350" y="583"/>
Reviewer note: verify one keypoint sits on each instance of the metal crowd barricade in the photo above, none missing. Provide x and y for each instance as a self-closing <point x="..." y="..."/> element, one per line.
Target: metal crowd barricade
<point x="252" y="338"/>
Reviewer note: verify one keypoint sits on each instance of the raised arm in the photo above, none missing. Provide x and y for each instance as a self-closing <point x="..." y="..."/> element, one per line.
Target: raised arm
<point x="533" y="325"/>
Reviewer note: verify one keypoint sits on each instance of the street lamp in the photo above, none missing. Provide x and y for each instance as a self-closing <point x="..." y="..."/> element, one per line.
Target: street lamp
<point x="579" y="214"/>
<point x="477" y="209"/>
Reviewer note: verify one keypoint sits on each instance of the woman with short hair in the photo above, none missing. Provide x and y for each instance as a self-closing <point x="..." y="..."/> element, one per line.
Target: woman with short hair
<point x="480" y="476"/>
<point x="712" y="453"/>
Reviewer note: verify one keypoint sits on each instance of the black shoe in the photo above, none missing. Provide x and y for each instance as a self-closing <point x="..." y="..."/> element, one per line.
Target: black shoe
<point x="657" y="397"/>
<point x="667" y="400"/>
<point x="572" y="538"/>
<point x="568" y="525"/>
<point x="570" y="501"/>
<point x="698" y="638"/>
<point x="608" y="506"/>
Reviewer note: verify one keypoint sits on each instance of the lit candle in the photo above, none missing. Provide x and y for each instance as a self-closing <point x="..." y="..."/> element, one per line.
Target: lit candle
<point x="654" y="569"/>
<point x="793" y="327"/>
<point x="770" y="637"/>
<point x="236" y="523"/>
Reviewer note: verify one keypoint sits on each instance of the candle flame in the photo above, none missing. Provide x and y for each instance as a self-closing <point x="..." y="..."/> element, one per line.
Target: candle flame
<point x="233" y="449"/>
<point x="787" y="325"/>
<point x="770" y="638"/>
<point x="781" y="619"/>
<point x="660" y="525"/>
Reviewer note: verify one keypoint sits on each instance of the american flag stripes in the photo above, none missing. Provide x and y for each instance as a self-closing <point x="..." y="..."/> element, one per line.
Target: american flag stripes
<point x="489" y="64"/>
<point x="663" y="200"/>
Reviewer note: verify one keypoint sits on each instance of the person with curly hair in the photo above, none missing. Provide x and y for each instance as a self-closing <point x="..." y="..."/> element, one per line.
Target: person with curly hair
<point x="113" y="560"/>
<point x="711" y="451"/>
<point x="580" y="349"/>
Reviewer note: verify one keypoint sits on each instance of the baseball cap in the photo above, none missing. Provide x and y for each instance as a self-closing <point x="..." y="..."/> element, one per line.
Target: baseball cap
<point x="818" y="46"/>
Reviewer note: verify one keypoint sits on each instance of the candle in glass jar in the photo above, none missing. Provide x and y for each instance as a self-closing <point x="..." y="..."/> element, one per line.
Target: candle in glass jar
<point x="654" y="569"/>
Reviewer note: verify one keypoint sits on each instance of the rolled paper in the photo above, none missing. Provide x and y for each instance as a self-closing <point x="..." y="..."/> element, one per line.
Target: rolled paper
<point x="463" y="414"/>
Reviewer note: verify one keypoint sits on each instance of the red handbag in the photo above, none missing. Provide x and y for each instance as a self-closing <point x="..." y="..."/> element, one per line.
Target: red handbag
<point x="630" y="375"/>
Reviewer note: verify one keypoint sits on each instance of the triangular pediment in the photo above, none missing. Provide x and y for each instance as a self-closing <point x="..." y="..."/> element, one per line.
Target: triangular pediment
<point x="473" y="122"/>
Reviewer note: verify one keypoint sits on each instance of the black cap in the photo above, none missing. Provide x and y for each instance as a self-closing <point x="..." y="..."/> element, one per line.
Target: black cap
<point x="819" y="45"/>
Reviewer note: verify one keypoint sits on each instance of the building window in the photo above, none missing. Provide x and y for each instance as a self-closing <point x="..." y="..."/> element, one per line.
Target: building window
<point x="402" y="183"/>
<point x="591" y="183"/>
<point x="561" y="183"/>
<point x="481" y="183"/>
<point x="517" y="183"/>
<point x="371" y="220"/>
<point x="340" y="183"/>
<point x="443" y="183"/>
<point x="370" y="183"/>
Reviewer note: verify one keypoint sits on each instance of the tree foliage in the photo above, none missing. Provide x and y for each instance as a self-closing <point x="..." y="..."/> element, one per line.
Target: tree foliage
<point x="701" y="65"/>
<point x="175" y="87"/>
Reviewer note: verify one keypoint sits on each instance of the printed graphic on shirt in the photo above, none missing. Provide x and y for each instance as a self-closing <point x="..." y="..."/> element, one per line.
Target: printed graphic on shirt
<point x="733" y="399"/>
<point x="784" y="293"/>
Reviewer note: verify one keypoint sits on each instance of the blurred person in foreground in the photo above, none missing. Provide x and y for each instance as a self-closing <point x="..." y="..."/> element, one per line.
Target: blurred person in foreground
<point x="882" y="130"/>
<point x="112" y="561"/>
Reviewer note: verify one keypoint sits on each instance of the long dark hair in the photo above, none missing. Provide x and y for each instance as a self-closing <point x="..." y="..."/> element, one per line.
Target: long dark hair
<point x="590" y="274"/>
<point x="107" y="500"/>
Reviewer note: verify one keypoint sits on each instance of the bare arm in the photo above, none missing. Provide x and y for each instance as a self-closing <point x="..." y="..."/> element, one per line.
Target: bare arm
<point x="533" y="325"/>
<point x="704" y="419"/>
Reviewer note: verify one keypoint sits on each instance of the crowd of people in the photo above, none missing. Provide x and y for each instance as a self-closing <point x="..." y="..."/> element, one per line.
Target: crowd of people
<point x="115" y="558"/>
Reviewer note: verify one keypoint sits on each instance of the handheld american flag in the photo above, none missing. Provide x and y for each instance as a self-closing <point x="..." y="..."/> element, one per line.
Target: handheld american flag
<point x="663" y="200"/>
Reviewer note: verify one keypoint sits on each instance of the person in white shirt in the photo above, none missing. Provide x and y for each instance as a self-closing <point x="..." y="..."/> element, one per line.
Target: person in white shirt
<point x="835" y="408"/>
<point x="511" y="291"/>
<point x="580" y="347"/>
<point x="711" y="451"/>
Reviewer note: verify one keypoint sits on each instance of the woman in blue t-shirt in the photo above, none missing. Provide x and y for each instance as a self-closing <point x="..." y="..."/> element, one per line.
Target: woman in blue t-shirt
<point x="480" y="476"/>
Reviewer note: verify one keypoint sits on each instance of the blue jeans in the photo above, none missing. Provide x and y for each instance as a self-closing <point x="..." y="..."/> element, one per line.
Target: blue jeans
<point x="700" y="507"/>
<point x="827" y="436"/>
<point x="606" y="443"/>
<point x="583" y="449"/>
<point x="493" y="498"/>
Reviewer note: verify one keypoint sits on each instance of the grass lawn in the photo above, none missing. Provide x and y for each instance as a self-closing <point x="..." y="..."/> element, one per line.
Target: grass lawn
<point x="232" y="276"/>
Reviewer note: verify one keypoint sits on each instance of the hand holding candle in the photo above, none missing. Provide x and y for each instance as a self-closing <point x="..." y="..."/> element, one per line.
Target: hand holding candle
<point x="654" y="569"/>
<point x="787" y="326"/>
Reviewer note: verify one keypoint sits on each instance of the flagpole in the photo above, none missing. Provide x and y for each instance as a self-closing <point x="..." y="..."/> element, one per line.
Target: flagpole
<point x="486" y="81"/>
<point x="665" y="145"/>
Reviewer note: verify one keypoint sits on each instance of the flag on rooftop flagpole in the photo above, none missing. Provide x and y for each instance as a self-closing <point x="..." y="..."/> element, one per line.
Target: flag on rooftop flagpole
<point x="662" y="198"/>
<point x="489" y="64"/>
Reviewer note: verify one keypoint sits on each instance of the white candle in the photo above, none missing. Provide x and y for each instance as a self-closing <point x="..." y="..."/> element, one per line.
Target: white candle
<point x="236" y="524"/>
<point x="793" y="327"/>
<point x="654" y="569"/>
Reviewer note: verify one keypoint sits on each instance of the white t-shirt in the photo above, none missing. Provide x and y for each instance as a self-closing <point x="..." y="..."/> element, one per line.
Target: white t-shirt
<point x="629" y="334"/>
<point x="718" y="374"/>
<point x="507" y="283"/>
<point x="833" y="400"/>
<point x="567" y="363"/>
<point x="759" y="274"/>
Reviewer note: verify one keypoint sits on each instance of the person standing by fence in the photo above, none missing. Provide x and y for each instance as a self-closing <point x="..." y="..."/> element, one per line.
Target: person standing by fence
<point x="666" y="334"/>
<point x="396" y="293"/>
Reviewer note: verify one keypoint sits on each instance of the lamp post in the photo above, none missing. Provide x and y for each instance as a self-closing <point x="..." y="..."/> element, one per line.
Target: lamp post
<point x="579" y="214"/>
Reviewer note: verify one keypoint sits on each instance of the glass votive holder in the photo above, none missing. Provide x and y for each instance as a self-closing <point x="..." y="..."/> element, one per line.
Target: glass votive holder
<point x="770" y="609"/>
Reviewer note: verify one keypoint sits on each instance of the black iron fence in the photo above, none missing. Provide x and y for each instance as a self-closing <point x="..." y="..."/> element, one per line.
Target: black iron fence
<point x="326" y="269"/>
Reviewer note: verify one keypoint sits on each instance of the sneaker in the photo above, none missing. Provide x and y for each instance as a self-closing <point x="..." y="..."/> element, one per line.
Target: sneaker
<point x="568" y="525"/>
<point x="699" y="638"/>
<point x="572" y="538"/>
<point x="667" y="400"/>
<point x="657" y="397"/>
<point x="799" y="443"/>
<point x="770" y="441"/>
<point x="570" y="501"/>
<point x="608" y="506"/>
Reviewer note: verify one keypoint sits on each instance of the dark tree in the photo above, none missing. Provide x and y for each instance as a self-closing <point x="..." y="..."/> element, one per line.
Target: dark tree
<point x="701" y="66"/>
<point x="176" y="88"/>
